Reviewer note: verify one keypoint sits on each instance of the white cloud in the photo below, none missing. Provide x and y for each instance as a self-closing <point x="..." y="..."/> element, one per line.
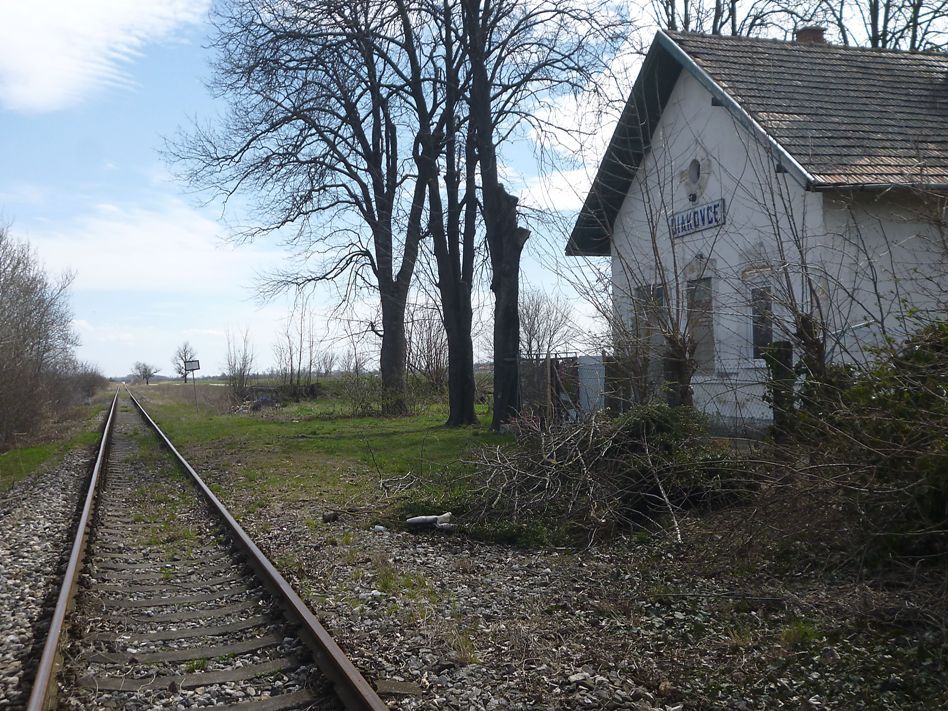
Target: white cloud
<point x="563" y="191"/>
<point x="576" y="130"/>
<point x="170" y="249"/>
<point x="53" y="53"/>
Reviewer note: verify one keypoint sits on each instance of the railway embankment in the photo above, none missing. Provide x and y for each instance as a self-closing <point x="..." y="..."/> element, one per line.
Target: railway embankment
<point x="636" y="622"/>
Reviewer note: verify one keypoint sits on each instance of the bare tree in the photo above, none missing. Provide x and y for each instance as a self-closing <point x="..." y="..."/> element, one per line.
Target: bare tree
<point x="37" y="340"/>
<point x="327" y="361"/>
<point x="328" y="103"/>
<point x="182" y="355"/>
<point x="295" y="350"/>
<point x="239" y="364"/>
<point x="912" y="25"/>
<point x="545" y="325"/>
<point x="144" y="371"/>
<point x="315" y="135"/>
<point x="519" y="54"/>
<point x="717" y="17"/>
<point x="353" y="363"/>
<point x="427" y="345"/>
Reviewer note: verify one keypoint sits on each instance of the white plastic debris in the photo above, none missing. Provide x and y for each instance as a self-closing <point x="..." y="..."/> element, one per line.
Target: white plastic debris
<point x="442" y="522"/>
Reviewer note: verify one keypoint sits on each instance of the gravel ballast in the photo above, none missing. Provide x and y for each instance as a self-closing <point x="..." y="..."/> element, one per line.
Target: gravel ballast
<point x="36" y="519"/>
<point x="440" y="621"/>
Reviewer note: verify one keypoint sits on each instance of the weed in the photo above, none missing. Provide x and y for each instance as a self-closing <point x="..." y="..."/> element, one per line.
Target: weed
<point x="798" y="633"/>
<point x="394" y="582"/>
<point x="465" y="566"/>
<point x="289" y="563"/>
<point x="462" y="644"/>
<point x="195" y="665"/>
<point x="256" y="505"/>
<point x="660" y="593"/>
<point x="740" y="636"/>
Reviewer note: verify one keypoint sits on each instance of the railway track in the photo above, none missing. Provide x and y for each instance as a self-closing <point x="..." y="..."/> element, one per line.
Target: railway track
<point x="166" y="603"/>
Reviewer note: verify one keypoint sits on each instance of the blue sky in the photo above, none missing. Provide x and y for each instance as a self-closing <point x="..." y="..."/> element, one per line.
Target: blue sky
<point x="88" y="92"/>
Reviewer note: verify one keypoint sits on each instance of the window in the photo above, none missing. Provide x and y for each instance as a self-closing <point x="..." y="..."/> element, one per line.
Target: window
<point x="762" y="319"/>
<point x="701" y="323"/>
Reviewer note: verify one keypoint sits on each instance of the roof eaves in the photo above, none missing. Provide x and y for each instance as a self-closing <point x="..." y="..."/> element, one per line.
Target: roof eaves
<point x="786" y="160"/>
<point x="591" y="233"/>
<point x="880" y="187"/>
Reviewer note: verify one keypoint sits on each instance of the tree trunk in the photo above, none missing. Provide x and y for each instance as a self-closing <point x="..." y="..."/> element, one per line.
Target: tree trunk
<point x="393" y="354"/>
<point x="779" y="359"/>
<point x="461" y="387"/>
<point x="505" y="239"/>
<point x="506" y="246"/>
<point x="678" y="368"/>
<point x="454" y="286"/>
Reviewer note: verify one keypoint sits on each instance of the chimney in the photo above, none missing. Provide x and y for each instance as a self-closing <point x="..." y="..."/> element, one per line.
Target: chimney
<point x="811" y="34"/>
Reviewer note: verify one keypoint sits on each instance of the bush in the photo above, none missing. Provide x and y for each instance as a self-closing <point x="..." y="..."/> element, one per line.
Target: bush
<point x="604" y="473"/>
<point x="362" y="394"/>
<point x="890" y="427"/>
<point x="39" y="375"/>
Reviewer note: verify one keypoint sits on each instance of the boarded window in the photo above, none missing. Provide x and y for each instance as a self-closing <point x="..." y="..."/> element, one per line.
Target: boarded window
<point x="762" y="315"/>
<point x="701" y="323"/>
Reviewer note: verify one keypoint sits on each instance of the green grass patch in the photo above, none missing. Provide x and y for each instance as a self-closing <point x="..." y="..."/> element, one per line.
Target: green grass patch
<point x="395" y="581"/>
<point x="17" y="464"/>
<point x="419" y="444"/>
<point x="308" y="451"/>
<point x="195" y="665"/>
<point x="798" y="633"/>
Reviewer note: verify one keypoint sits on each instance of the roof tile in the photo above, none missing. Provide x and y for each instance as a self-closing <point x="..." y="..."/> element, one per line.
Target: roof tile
<point x="848" y="115"/>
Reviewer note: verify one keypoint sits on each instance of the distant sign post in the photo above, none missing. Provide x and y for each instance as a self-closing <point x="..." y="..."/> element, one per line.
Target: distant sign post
<point x="189" y="367"/>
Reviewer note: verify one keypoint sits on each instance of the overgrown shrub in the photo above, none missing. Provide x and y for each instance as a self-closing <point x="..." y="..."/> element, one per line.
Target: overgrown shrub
<point x="363" y="395"/>
<point x="604" y="473"/>
<point x="890" y="427"/>
<point x="39" y="375"/>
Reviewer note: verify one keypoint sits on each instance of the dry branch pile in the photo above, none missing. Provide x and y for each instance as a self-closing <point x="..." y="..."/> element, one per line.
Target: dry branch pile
<point x="603" y="473"/>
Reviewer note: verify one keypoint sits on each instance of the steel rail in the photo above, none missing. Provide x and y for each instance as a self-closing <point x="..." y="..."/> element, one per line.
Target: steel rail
<point x="43" y="694"/>
<point x="353" y="689"/>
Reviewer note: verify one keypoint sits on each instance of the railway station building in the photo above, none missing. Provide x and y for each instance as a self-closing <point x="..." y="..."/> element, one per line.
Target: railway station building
<point x="758" y="191"/>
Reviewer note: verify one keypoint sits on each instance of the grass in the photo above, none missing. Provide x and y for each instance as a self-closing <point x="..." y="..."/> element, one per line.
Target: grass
<point x="741" y="636"/>
<point x="195" y="665"/>
<point x="798" y="633"/>
<point x="391" y="580"/>
<point x="308" y="452"/>
<point x="460" y="639"/>
<point x="17" y="464"/>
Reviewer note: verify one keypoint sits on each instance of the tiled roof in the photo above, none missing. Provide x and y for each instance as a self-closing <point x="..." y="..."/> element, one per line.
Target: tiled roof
<point x="849" y="116"/>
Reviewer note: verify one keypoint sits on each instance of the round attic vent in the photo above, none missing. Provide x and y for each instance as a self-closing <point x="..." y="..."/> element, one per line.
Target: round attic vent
<point x="694" y="171"/>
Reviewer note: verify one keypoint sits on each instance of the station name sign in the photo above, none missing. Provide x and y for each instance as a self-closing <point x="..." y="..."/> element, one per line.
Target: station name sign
<point x="698" y="218"/>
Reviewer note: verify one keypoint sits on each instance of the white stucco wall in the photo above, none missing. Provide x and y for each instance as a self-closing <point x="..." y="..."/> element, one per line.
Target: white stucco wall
<point x="891" y="254"/>
<point x="773" y="226"/>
